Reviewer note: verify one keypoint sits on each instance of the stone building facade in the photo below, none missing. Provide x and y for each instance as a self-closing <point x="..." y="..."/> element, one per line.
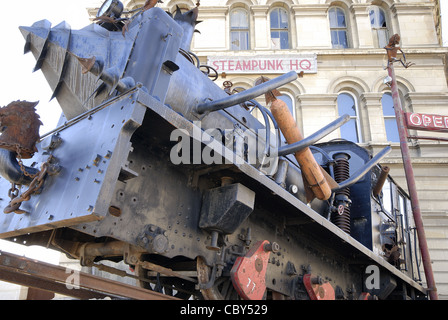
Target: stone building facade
<point x="338" y="44"/>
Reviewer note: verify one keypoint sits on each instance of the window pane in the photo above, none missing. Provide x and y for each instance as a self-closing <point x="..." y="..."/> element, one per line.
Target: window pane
<point x="391" y="130"/>
<point x="388" y="105"/>
<point x="239" y="40"/>
<point x="275" y="40"/>
<point x="283" y="19"/>
<point x="387" y="197"/>
<point x="390" y="122"/>
<point x="279" y="40"/>
<point x="337" y="18"/>
<point x="377" y="18"/>
<point x="279" y="29"/>
<point x="287" y="99"/>
<point x="346" y="105"/>
<point x="275" y="23"/>
<point x="342" y="36"/>
<point x="334" y="39"/>
<point x="238" y="19"/>
<point x="284" y="40"/>
<point x="383" y="38"/>
<point x="341" y="19"/>
<point x="372" y="18"/>
<point x="349" y="131"/>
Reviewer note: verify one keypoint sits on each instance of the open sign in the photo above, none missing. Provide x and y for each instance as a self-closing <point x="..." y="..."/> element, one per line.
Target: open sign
<point x="427" y="122"/>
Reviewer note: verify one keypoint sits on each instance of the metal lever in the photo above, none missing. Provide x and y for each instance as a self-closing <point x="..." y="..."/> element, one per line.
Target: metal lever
<point x="302" y="144"/>
<point x="246" y="95"/>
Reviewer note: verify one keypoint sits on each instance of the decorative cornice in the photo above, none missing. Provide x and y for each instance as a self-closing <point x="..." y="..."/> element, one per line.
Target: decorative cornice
<point x="413" y="8"/>
<point x="310" y="9"/>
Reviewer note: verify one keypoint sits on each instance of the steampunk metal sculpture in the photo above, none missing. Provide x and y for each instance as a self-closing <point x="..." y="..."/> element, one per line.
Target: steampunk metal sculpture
<point x="392" y="52"/>
<point x="135" y="103"/>
<point x="20" y="128"/>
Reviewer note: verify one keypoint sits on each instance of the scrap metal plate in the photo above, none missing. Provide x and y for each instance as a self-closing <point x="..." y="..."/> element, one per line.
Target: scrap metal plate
<point x="93" y="150"/>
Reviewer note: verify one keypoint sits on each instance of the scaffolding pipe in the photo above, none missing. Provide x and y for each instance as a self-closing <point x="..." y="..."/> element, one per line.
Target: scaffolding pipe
<point x="409" y="172"/>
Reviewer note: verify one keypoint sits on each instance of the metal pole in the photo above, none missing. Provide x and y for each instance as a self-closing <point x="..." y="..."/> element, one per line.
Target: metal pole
<point x="409" y="173"/>
<point x="248" y="94"/>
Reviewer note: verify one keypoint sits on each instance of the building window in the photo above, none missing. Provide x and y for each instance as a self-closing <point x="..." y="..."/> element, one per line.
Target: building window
<point x="239" y="29"/>
<point x="347" y="105"/>
<point x="389" y="118"/>
<point x="338" y="28"/>
<point x="288" y="100"/>
<point x="279" y="29"/>
<point x="379" y="26"/>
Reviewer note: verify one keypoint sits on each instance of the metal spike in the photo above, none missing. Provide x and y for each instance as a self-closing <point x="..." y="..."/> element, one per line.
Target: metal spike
<point x="27" y="47"/>
<point x="61" y="34"/>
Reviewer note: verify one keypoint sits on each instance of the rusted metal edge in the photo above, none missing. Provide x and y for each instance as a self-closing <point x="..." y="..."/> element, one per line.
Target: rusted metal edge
<point x="37" y="274"/>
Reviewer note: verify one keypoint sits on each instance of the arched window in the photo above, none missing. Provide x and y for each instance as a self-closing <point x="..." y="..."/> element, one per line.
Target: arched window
<point x="379" y="26"/>
<point x="338" y="28"/>
<point x="389" y="118"/>
<point x="239" y="29"/>
<point x="279" y="29"/>
<point x="347" y="105"/>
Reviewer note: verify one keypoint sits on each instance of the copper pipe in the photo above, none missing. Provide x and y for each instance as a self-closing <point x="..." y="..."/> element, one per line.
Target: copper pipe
<point x="313" y="173"/>
<point x="381" y="180"/>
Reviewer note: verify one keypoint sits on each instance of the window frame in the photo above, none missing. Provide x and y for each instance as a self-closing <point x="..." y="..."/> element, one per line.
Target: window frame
<point x="357" y="117"/>
<point x="279" y="29"/>
<point x="389" y="117"/>
<point x="339" y="28"/>
<point x="239" y="30"/>
<point x="376" y="29"/>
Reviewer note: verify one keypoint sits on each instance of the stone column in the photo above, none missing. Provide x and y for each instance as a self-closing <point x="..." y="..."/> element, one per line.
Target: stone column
<point x="214" y="29"/>
<point x="416" y="24"/>
<point x="317" y="110"/>
<point x="312" y="26"/>
<point x="362" y="25"/>
<point x="372" y="120"/>
<point x="260" y="28"/>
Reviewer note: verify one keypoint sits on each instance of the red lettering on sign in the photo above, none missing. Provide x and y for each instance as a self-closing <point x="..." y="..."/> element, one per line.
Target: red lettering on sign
<point x="427" y="122"/>
<point x="254" y="64"/>
<point x="278" y="65"/>
<point x="305" y="64"/>
<point x="293" y="64"/>
<point x="247" y="65"/>
<point x="238" y="65"/>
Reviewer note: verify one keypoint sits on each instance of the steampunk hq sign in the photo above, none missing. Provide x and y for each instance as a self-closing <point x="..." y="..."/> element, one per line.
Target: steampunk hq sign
<point x="264" y="63"/>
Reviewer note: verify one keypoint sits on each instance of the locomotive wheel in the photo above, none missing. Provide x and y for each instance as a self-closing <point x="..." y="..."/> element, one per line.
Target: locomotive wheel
<point x="222" y="288"/>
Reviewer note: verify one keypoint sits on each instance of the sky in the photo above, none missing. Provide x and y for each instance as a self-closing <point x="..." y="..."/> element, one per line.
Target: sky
<point x="17" y="80"/>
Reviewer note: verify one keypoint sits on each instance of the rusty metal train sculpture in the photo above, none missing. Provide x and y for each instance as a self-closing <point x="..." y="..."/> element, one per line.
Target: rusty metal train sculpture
<point x="155" y="165"/>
